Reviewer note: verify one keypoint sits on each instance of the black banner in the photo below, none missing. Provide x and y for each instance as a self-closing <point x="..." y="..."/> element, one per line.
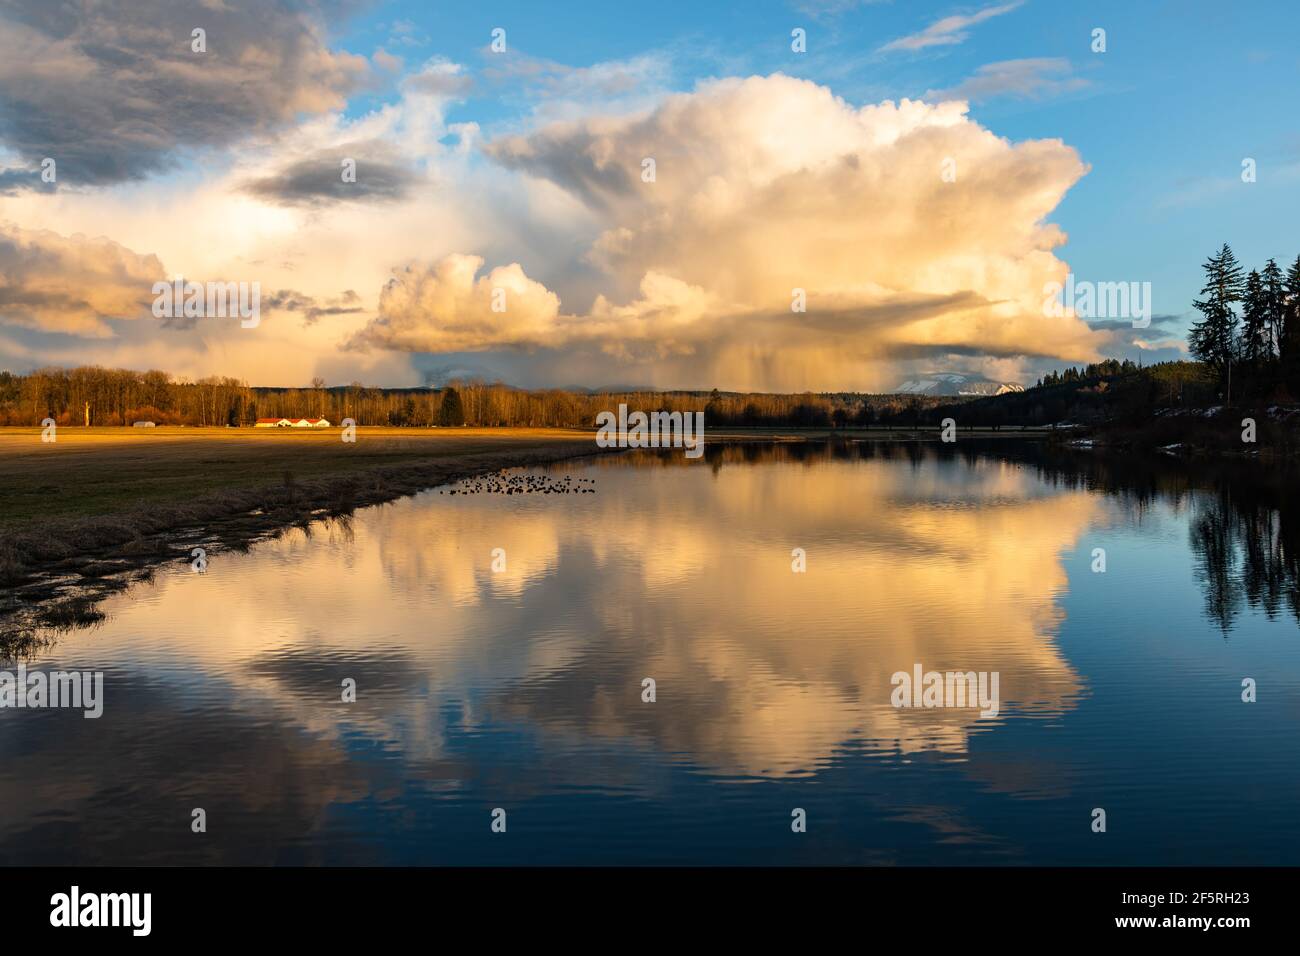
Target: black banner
<point x="334" y="905"/>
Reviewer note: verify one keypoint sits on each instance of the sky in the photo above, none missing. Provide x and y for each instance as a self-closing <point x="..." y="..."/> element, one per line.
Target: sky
<point x="890" y="192"/>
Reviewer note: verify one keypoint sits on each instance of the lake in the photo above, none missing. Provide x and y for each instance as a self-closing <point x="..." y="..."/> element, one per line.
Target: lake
<point x="499" y="646"/>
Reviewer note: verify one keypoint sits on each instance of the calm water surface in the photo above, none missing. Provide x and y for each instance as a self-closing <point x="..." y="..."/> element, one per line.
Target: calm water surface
<point x="522" y="689"/>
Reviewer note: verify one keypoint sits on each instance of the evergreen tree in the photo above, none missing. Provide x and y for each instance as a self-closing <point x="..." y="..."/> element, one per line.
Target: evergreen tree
<point x="1213" y="340"/>
<point x="1274" y="304"/>
<point x="1255" y="344"/>
<point x="1289" y="340"/>
<point x="452" y="415"/>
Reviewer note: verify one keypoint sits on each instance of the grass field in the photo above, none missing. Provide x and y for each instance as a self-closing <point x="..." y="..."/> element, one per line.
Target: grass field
<point x="106" y="471"/>
<point x="98" y="503"/>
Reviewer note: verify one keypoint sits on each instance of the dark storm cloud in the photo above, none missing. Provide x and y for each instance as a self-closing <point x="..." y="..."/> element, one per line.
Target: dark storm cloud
<point x="14" y="181"/>
<point x="1163" y="323"/>
<point x="113" y="92"/>
<point x="910" y="351"/>
<point x="281" y="300"/>
<point x="569" y="156"/>
<point x="318" y="179"/>
<point x="287" y="300"/>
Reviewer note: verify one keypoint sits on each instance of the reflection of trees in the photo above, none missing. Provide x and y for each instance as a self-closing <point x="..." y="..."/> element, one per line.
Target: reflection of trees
<point x="1244" y="532"/>
<point x="1247" y="551"/>
<point x="1213" y="540"/>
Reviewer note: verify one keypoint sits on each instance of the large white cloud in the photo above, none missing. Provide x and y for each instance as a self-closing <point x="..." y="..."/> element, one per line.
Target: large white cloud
<point x="770" y="184"/>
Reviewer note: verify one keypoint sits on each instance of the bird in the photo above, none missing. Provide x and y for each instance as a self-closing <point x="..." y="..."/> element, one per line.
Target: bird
<point x="522" y="483"/>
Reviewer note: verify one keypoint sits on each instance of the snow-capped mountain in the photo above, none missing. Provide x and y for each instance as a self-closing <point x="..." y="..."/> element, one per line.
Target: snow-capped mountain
<point x="955" y="383"/>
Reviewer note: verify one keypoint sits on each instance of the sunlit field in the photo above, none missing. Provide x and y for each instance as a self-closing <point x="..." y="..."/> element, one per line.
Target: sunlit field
<point x="98" y="471"/>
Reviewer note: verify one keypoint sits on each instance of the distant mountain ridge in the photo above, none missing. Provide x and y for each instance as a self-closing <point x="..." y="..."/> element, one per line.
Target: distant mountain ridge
<point x="955" y="383"/>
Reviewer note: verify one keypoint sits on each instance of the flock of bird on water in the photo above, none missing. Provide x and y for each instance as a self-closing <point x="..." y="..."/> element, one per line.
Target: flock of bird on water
<point x="522" y="483"/>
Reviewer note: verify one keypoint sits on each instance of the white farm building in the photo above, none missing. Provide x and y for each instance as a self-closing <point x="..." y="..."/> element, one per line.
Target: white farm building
<point x="292" y="423"/>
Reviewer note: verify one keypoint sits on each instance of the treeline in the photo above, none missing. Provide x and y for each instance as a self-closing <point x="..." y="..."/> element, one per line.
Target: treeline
<point x="1099" y="393"/>
<point x="1247" y="342"/>
<point x="121" y="397"/>
<point x="1110" y="368"/>
<point x="1248" y="336"/>
<point x="1249" y="331"/>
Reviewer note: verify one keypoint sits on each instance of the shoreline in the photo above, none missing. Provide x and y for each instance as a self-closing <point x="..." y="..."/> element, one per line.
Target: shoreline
<point x="56" y="571"/>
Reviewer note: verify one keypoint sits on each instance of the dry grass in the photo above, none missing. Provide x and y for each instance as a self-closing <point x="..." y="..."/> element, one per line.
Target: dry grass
<point x="73" y="613"/>
<point x="101" y="471"/>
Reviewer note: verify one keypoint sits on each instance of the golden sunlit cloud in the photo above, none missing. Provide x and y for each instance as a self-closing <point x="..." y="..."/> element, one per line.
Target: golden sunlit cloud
<point x="786" y="240"/>
<point x="72" y="283"/>
<point x="769" y="188"/>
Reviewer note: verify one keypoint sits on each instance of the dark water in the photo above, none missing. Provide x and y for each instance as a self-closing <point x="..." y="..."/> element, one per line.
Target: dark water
<point x="522" y="689"/>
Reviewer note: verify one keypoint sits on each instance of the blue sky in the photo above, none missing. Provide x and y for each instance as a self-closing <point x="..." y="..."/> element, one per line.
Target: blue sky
<point x="481" y="169"/>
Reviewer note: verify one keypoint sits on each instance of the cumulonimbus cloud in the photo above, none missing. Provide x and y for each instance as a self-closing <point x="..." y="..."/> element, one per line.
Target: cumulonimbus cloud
<point x="911" y="231"/>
